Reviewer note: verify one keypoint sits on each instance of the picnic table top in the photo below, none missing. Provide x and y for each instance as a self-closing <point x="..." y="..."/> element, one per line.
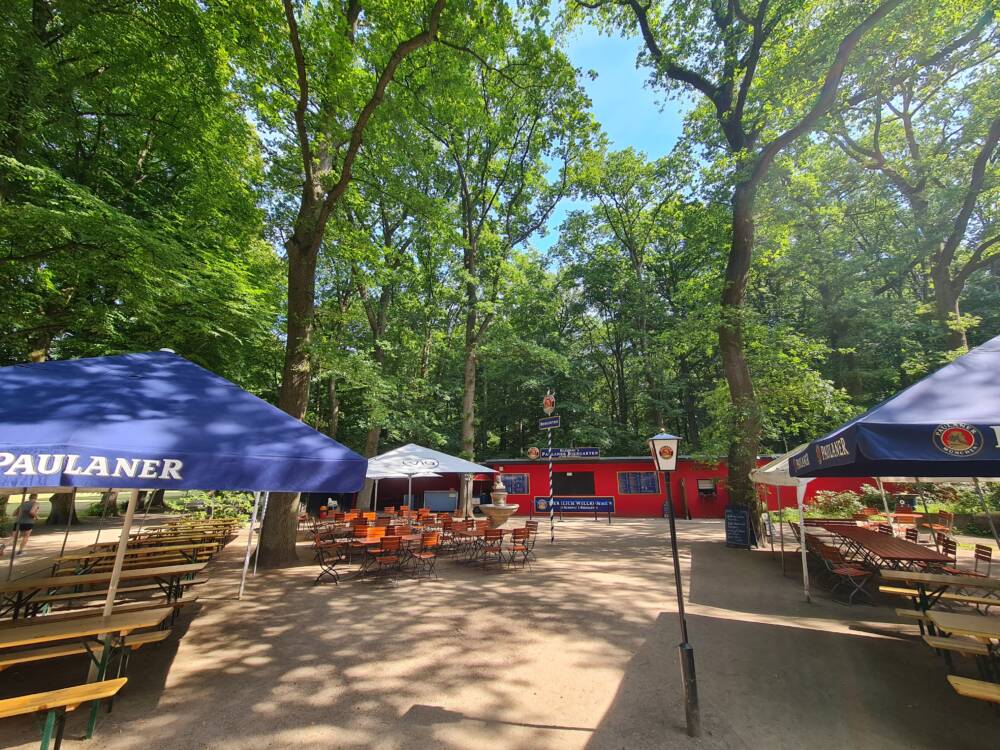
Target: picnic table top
<point x="53" y="582"/>
<point x="942" y="579"/>
<point x="887" y="547"/>
<point x="977" y="626"/>
<point x="82" y="627"/>
<point x="135" y="551"/>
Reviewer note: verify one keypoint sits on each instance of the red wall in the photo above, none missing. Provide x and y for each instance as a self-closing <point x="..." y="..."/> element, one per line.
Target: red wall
<point x="683" y="484"/>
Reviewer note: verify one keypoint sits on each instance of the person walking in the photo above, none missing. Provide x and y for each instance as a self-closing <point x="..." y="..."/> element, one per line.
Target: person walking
<point x="24" y="520"/>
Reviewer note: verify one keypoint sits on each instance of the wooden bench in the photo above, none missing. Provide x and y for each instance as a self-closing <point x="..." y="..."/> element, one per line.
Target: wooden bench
<point x="958" y="645"/>
<point x="132" y="641"/>
<point x="93" y="594"/>
<point x="56" y="703"/>
<point x="71" y="614"/>
<point x="984" y="691"/>
<point x="947" y="596"/>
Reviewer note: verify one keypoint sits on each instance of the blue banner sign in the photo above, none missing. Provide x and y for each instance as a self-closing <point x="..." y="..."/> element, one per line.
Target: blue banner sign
<point x="548" y="423"/>
<point x="571" y="452"/>
<point x="582" y="504"/>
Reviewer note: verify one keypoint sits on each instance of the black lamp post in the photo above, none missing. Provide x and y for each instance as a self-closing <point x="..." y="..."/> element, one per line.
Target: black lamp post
<point x="663" y="448"/>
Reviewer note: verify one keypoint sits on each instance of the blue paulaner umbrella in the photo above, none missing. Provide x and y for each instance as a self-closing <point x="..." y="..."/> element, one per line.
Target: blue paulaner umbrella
<point x="946" y="425"/>
<point x="157" y="421"/>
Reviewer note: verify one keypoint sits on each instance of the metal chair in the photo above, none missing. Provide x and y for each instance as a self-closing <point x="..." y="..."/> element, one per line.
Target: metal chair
<point x="425" y="558"/>
<point x="491" y="547"/>
<point x="518" y="550"/>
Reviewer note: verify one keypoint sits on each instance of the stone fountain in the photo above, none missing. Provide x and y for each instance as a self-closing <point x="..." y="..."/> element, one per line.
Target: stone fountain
<point x="499" y="511"/>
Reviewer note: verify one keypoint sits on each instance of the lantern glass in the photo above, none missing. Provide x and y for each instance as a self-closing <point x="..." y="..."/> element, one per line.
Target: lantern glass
<point x="663" y="449"/>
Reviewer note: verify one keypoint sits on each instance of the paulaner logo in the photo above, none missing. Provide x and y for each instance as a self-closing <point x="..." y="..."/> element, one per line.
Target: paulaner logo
<point x="45" y="464"/>
<point x="958" y="439"/>
<point x="836" y="449"/>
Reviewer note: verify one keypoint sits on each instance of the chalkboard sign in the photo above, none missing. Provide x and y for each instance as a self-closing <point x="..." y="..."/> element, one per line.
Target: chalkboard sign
<point x="738" y="531"/>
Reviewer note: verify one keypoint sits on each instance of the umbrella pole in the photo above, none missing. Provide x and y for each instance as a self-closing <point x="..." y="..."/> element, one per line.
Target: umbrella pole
<point x="409" y="491"/>
<point x="263" y="515"/>
<point x="145" y="513"/>
<point x="246" y="557"/>
<point x="986" y="507"/>
<point x="800" y="492"/>
<point x="69" y="520"/>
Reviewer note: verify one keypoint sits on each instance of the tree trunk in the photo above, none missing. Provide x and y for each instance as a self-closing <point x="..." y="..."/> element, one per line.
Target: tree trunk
<point x="469" y="391"/>
<point x="280" y="529"/>
<point x="946" y="311"/>
<point x="109" y="504"/>
<point x="63" y="510"/>
<point x="746" y="422"/>
<point x="334" y="424"/>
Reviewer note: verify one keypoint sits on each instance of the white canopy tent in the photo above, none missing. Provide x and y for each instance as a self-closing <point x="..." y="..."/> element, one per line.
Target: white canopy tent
<point x="412" y="460"/>
<point x="775" y="474"/>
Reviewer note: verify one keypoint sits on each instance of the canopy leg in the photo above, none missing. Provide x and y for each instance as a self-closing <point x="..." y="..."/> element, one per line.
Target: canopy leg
<point x="781" y="529"/>
<point x="986" y="508"/>
<point x="800" y="493"/>
<point x="246" y="557"/>
<point x="263" y="515"/>
<point x="885" y="503"/>
<point x="69" y="521"/>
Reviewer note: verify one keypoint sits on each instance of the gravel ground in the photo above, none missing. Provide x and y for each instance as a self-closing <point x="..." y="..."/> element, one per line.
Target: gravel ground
<point x="580" y="652"/>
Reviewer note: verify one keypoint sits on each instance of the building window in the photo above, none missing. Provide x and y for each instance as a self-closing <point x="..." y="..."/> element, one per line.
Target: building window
<point x="572" y="483"/>
<point x="516" y="484"/>
<point x="638" y="483"/>
<point x="706" y="487"/>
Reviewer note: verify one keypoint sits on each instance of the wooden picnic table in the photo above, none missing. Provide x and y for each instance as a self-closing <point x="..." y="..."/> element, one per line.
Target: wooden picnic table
<point x="14" y="595"/>
<point x="932" y="587"/>
<point x="883" y="550"/>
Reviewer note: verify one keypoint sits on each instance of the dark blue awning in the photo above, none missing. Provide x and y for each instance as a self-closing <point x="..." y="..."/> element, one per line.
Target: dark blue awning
<point x="946" y="425"/>
<point x="156" y="420"/>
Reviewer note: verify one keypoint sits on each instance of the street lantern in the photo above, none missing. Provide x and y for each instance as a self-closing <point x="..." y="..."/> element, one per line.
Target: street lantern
<point x="663" y="449"/>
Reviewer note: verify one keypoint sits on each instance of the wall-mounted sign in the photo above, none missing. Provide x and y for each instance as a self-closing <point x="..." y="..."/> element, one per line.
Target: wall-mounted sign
<point x="571" y="452"/>
<point x="583" y="504"/>
<point x="533" y="453"/>
<point x="549" y="423"/>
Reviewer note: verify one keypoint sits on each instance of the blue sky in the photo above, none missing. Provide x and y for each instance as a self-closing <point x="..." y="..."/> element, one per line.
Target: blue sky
<point x="629" y="112"/>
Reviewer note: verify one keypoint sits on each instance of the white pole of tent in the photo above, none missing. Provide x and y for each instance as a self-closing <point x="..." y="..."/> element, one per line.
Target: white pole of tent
<point x="781" y="529"/>
<point x="69" y="520"/>
<point x="13" y="546"/>
<point x="409" y="491"/>
<point x="246" y="557"/>
<point x="986" y="507"/>
<point x="800" y="494"/>
<point x="263" y="515"/>
<point x="116" y="571"/>
<point x="927" y="515"/>
<point x="375" y="497"/>
<point x="885" y="502"/>
<point x="104" y="514"/>
<point x="149" y="502"/>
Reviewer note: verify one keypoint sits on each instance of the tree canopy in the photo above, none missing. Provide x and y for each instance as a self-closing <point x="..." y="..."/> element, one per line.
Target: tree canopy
<point x="342" y="206"/>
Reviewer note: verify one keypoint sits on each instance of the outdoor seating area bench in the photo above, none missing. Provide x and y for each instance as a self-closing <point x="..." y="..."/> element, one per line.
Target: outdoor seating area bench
<point x="984" y="691"/>
<point x="56" y="704"/>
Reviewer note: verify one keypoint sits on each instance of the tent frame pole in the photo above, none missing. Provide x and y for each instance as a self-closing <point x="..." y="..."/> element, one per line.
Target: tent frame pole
<point x="13" y="545"/>
<point x="781" y="529"/>
<point x="246" y="557"/>
<point x="800" y="492"/>
<point x="986" y="509"/>
<point x="69" y="521"/>
<point x="263" y="515"/>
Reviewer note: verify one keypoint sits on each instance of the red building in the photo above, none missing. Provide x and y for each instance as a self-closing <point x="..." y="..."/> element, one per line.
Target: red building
<point x="629" y="484"/>
<point x="632" y="487"/>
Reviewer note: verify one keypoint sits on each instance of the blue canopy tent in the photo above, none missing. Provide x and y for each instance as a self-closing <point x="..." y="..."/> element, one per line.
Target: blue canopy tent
<point x="946" y="425"/>
<point x="157" y="421"/>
